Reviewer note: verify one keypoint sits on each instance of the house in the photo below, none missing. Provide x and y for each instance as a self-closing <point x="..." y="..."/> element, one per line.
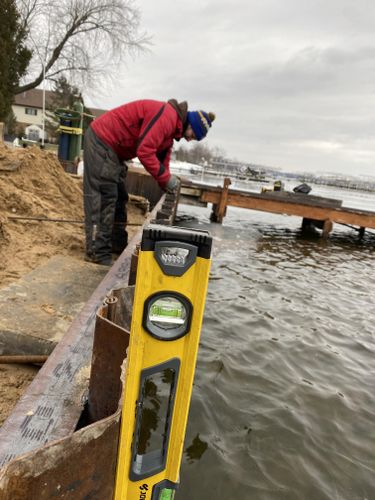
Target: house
<point x="28" y="110"/>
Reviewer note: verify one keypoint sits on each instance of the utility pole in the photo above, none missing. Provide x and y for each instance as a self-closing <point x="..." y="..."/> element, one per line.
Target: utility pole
<point x="44" y="103"/>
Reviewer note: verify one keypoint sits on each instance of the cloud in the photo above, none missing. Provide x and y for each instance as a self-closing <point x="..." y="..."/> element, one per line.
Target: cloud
<point x="292" y="82"/>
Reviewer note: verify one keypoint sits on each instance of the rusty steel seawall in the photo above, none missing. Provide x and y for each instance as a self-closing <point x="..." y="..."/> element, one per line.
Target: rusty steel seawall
<point x="139" y="182"/>
<point x="82" y="465"/>
<point x="42" y="454"/>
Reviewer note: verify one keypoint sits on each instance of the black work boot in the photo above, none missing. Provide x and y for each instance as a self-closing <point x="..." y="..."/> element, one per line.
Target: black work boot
<point x="104" y="261"/>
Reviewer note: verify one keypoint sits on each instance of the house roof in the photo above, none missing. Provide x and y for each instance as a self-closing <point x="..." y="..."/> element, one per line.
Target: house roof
<point x="32" y="98"/>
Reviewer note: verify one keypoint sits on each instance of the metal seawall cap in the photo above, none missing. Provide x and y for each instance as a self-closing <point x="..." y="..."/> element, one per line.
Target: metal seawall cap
<point x="157" y="232"/>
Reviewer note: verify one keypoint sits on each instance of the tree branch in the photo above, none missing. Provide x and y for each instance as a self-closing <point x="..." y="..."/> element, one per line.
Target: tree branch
<point x="112" y="25"/>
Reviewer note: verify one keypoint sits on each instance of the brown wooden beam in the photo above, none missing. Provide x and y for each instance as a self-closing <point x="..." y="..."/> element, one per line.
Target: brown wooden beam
<point x="339" y="215"/>
<point x="220" y="209"/>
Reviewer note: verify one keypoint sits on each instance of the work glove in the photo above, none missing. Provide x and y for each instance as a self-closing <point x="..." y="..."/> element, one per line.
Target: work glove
<point x="172" y="184"/>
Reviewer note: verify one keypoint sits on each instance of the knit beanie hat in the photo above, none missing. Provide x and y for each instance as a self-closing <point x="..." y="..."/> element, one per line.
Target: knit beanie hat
<point x="200" y="122"/>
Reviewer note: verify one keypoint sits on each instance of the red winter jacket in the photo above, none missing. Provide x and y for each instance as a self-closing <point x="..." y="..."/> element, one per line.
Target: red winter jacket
<point x="145" y="129"/>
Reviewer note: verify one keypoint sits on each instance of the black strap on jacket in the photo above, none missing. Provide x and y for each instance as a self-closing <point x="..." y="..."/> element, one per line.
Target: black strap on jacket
<point x="151" y="124"/>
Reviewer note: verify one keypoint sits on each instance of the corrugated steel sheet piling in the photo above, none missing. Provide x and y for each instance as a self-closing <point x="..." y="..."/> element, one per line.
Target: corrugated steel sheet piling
<point x="61" y="439"/>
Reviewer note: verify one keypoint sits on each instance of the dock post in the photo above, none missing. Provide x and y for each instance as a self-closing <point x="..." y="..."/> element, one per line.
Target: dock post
<point x="327" y="228"/>
<point x="361" y="232"/>
<point x="219" y="209"/>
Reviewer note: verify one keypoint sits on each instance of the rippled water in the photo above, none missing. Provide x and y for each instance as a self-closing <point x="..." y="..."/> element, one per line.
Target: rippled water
<point x="283" y="405"/>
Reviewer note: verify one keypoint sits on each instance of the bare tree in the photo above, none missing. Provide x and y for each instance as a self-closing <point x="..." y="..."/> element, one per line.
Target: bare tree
<point x="198" y="153"/>
<point x="82" y="39"/>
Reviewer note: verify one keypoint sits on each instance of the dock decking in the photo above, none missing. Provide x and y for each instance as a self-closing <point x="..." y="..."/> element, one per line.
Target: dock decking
<point x="315" y="208"/>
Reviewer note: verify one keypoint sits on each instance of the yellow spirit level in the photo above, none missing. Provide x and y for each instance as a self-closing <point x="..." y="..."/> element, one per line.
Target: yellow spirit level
<point x="170" y="293"/>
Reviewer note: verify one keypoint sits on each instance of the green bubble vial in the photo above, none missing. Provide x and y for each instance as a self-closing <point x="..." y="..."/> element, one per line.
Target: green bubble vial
<point x="167" y="494"/>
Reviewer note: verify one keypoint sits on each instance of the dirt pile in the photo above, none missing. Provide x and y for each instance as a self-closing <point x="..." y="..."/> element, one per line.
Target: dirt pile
<point x="34" y="184"/>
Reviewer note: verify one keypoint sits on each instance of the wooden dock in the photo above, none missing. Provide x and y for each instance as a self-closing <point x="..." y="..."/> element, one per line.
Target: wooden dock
<point x="322" y="212"/>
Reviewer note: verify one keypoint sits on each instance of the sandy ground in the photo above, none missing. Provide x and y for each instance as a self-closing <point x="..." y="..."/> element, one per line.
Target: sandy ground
<point x="34" y="184"/>
<point x="14" y="379"/>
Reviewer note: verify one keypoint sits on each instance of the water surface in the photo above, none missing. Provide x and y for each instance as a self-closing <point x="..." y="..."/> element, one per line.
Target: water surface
<point x="283" y="406"/>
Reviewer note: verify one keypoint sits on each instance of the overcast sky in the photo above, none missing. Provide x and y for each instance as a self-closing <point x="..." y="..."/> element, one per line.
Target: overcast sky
<point x="292" y="81"/>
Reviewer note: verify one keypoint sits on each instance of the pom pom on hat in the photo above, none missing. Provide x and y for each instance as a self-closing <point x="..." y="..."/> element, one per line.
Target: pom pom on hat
<point x="200" y="122"/>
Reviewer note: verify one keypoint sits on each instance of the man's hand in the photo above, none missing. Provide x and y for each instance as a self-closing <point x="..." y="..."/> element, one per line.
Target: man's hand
<point x="172" y="184"/>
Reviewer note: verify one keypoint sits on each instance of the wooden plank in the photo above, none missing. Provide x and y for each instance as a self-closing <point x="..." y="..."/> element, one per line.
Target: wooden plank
<point x="190" y="200"/>
<point x="195" y="192"/>
<point x="354" y="218"/>
<point x="268" y="205"/>
<point x="38" y="309"/>
<point x="189" y="188"/>
<point x="305" y="206"/>
<point x="340" y="215"/>
<point x="301" y="198"/>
